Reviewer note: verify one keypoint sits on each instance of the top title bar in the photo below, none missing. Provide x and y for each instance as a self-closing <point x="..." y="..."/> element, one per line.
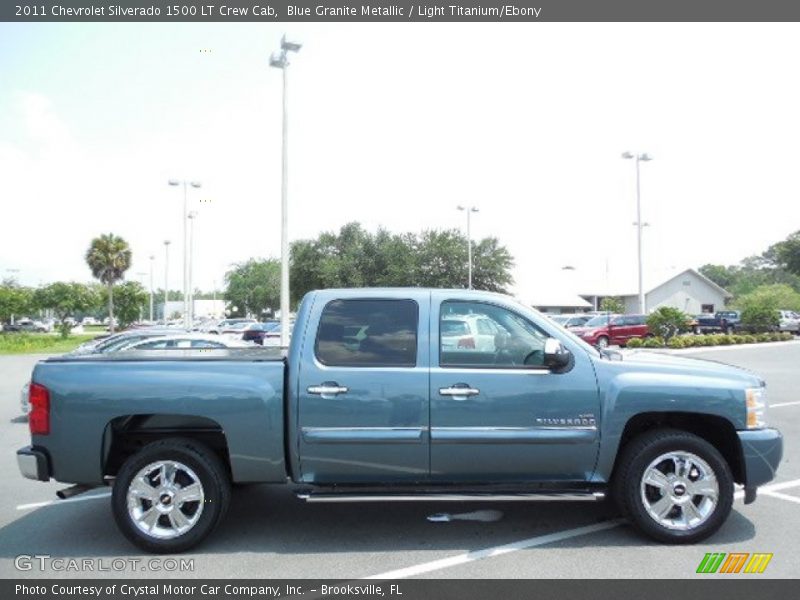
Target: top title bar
<point x="238" y="11"/>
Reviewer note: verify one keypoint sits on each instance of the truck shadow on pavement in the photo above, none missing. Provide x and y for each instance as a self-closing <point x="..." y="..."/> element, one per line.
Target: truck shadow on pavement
<point x="269" y="519"/>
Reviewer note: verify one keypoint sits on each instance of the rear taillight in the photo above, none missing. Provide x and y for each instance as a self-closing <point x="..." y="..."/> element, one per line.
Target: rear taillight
<point x="39" y="417"/>
<point x="467" y="342"/>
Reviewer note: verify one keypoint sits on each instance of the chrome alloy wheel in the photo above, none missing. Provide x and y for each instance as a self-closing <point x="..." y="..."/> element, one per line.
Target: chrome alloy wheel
<point x="679" y="491"/>
<point x="165" y="499"/>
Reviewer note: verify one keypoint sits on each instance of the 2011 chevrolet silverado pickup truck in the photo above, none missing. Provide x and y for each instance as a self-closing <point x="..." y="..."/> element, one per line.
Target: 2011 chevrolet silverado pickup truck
<point x="381" y="398"/>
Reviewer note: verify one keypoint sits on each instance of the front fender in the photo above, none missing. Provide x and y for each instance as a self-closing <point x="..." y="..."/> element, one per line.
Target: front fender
<point x="627" y="395"/>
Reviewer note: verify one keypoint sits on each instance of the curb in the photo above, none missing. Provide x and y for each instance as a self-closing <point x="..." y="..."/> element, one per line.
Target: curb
<point x="712" y="348"/>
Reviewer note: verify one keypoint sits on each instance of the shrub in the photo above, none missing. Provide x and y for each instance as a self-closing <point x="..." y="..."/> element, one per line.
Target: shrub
<point x="737" y="338"/>
<point x="749" y="339"/>
<point x="668" y="322"/>
<point x="786" y="336"/>
<point x="635" y="343"/>
<point x="716" y="339"/>
<point x="653" y="342"/>
<point x="725" y="340"/>
<point x="763" y="337"/>
<point x="676" y="342"/>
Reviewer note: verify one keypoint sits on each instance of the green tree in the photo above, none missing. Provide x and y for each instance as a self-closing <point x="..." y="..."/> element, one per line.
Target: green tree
<point x="109" y="256"/>
<point x="760" y="307"/>
<point x="612" y="304"/>
<point x="787" y="253"/>
<point x="254" y="286"/>
<point x="66" y="299"/>
<point x="723" y="276"/>
<point x="356" y="258"/>
<point x="130" y="300"/>
<point x="15" y="300"/>
<point x="667" y="322"/>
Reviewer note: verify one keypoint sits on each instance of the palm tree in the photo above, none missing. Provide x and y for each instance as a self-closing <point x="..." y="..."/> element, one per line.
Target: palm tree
<point x="109" y="256"/>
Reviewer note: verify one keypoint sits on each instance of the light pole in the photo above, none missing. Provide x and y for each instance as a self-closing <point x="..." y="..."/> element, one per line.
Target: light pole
<point x="637" y="158"/>
<point x="152" y="258"/>
<point x="14" y="272"/>
<point x="194" y="184"/>
<point x="469" y="211"/>
<point x="280" y="60"/>
<point x="192" y="216"/>
<point x="141" y="275"/>
<point x="166" y="278"/>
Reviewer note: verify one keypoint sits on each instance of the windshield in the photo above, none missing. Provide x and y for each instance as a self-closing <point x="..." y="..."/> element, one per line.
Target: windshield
<point x="561" y="320"/>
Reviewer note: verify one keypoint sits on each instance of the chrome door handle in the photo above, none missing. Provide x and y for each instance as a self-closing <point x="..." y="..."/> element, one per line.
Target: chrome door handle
<point x="327" y="389"/>
<point x="459" y="391"/>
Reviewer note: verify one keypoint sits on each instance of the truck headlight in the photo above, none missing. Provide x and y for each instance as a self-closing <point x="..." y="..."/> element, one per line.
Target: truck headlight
<point x="756" y="402"/>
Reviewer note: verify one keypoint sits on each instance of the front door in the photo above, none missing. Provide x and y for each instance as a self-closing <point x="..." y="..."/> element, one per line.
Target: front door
<point x="363" y="391"/>
<point x="497" y="415"/>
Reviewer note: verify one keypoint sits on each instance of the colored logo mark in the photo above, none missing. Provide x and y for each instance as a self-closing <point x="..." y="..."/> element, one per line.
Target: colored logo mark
<point x="735" y="562"/>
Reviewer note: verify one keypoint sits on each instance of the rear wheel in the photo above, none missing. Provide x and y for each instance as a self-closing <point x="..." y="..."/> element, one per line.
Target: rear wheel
<point x="170" y="495"/>
<point x="675" y="486"/>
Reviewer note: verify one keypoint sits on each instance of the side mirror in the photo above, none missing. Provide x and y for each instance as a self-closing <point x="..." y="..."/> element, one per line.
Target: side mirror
<point x="556" y="356"/>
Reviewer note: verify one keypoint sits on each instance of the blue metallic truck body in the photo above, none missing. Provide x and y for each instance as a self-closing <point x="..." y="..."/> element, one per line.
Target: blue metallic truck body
<point x="527" y="426"/>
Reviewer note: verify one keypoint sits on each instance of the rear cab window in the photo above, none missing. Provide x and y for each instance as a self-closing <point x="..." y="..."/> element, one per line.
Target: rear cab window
<point x="368" y="333"/>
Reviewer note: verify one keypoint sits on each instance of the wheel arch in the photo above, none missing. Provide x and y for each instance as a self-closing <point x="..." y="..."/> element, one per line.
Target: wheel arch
<point x="125" y="435"/>
<point x="716" y="430"/>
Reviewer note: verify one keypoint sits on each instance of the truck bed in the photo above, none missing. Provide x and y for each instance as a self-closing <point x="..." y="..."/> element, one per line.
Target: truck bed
<point x="237" y="393"/>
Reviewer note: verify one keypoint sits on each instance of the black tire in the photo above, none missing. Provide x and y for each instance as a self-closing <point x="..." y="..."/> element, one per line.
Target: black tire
<point x="633" y="463"/>
<point x="203" y="463"/>
<point x="602" y="341"/>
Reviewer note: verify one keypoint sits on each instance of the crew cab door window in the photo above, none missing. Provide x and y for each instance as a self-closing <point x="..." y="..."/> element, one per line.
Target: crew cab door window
<point x="368" y="333"/>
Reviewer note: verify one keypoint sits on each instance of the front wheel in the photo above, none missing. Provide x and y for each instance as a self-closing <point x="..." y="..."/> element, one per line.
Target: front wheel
<point x="170" y="495"/>
<point x="602" y="342"/>
<point x="675" y="486"/>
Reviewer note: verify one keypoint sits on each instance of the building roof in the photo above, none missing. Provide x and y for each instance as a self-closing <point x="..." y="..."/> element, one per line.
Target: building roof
<point x="652" y="280"/>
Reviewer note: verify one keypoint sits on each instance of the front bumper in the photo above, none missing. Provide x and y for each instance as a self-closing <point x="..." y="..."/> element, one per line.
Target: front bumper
<point x="762" y="450"/>
<point x="33" y="463"/>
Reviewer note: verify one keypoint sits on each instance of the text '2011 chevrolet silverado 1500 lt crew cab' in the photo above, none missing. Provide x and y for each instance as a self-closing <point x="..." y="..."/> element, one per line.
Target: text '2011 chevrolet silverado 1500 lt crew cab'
<point x="374" y="402"/>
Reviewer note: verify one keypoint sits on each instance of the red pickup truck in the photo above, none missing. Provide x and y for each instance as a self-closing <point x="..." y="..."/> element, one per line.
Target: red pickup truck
<point x="604" y="330"/>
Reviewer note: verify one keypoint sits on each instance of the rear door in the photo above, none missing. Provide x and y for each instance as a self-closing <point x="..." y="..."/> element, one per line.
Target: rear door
<point x="363" y="390"/>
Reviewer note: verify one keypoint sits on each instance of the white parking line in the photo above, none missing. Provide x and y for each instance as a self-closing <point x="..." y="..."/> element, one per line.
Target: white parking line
<point x="57" y="502"/>
<point x="782" y="496"/>
<point x="542" y="540"/>
<point x="784" y="404"/>
<point x="495" y="551"/>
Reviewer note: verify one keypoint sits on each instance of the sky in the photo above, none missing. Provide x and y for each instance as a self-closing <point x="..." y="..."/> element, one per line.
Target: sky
<point x="394" y="125"/>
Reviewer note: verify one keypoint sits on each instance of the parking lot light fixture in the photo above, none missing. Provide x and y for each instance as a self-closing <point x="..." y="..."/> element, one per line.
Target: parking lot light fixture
<point x="637" y="158"/>
<point x="471" y="209"/>
<point x="152" y="259"/>
<point x="166" y="278"/>
<point x="192" y="217"/>
<point x="280" y="60"/>
<point x="194" y="184"/>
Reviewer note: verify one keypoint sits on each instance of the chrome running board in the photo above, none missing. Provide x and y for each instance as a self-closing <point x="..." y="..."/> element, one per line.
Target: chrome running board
<point x="445" y="497"/>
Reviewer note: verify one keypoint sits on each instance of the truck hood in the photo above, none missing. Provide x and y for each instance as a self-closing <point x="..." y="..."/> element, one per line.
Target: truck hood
<point x="644" y="361"/>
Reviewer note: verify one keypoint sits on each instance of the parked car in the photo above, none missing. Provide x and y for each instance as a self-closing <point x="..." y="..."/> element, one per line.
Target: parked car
<point x="26" y="326"/>
<point x="88" y="321"/>
<point x="605" y="330"/>
<point x="571" y="321"/>
<point x="256" y="332"/>
<point x="789" y="321"/>
<point x="543" y="416"/>
<point x="723" y="321"/>
<point x="112" y="343"/>
<point x="468" y="332"/>
<point x="226" y="324"/>
<point x="183" y="341"/>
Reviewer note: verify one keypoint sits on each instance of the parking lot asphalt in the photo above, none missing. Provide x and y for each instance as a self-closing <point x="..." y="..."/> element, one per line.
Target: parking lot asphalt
<point x="268" y="533"/>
